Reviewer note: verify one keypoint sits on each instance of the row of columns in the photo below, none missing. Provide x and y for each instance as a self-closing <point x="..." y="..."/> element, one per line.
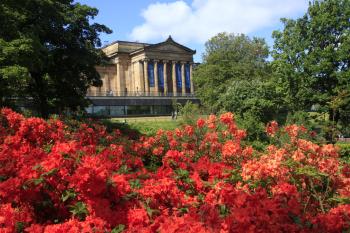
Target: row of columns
<point x="165" y="77"/>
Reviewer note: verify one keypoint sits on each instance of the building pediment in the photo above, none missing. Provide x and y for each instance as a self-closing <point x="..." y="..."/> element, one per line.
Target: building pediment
<point x="133" y="48"/>
<point x="168" y="46"/>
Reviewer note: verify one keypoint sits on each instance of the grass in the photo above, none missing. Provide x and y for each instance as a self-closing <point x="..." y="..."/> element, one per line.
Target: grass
<point x="151" y="128"/>
<point x="143" y="125"/>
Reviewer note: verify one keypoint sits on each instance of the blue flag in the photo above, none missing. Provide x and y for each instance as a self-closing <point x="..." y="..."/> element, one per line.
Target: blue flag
<point x="161" y="75"/>
<point x="150" y="70"/>
<point x="178" y="75"/>
<point x="187" y="76"/>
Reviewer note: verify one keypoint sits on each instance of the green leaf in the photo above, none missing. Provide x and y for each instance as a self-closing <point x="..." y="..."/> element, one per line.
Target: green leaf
<point x="224" y="210"/>
<point x="38" y="181"/>
<point x="184" y="210"/>
<point x="51" y="172"/>
<point x="181" y="174"/>
<point x="340" y="200"/>
<point x="296" y="219"/>
<point x="311" y="172"/>
<point x="135" y="184"/>
<point x="118" y="229"/>
<point x="68" y="195"/>
<point x="3" y="178"/>
<point x="124" y="169"/>
<point x="47" y="148"/>
<point x="20" y="227"/>
<point x="79" y="210"/>
<point x="37" y="167"/>
<point x="150" y="211"/>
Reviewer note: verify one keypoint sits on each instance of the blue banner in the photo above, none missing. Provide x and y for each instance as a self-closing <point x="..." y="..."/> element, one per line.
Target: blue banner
<point x="187" y="76"/>
<point x="161" y="74"/>
<point x="150" y="71"/>
<point x="178" y="75"/>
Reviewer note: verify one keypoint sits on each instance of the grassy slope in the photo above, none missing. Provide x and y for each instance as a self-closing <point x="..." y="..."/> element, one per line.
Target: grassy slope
<point x="146" y="125"/>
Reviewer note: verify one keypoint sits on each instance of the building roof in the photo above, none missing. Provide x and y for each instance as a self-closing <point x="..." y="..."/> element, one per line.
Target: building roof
<point x="136" y="47"/>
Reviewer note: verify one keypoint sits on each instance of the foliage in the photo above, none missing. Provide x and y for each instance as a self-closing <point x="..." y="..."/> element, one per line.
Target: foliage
<point x="344" y="149"/>
<point x="309" y="72"/>
<point x="255" y="102"/>
<point x="229" y="59"/>
<point x="311" y="60"/>
<point x="80" y="178"/>
<point x="190" y="113"/>
<point x="236" y="76"/>
<point x="258" y="97"/>
<point x="254" y="127"/>
<point x="47" y="52"/>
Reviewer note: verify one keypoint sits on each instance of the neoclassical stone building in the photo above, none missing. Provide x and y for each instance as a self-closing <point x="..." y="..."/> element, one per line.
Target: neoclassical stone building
<point x="139" y="69"/>
<point x="143" y="79"/>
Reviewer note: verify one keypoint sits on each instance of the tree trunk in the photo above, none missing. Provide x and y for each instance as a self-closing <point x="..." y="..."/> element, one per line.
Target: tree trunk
<point x="40" y="98"/>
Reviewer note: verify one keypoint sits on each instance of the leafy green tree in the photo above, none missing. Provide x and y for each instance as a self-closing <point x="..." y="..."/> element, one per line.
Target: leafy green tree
<point x="228" y="60"/>
<point x="236" y="76"/>
<point x="258" y="97"/>
<point x="312" y="59"/>
<point x="48" y="53"/>
<point x="255" y="103"/>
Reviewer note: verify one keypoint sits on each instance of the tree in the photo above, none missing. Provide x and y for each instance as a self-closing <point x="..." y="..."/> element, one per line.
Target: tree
<point x="48" y="53"/>
<point x="255" y="103"/>
<point x="229" y="59"/>
<point x="312" y="59"/>
<point x="236" y="76"/>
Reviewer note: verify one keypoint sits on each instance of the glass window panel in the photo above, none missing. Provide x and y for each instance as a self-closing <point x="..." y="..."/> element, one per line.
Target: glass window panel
<point x="117" y="110"/>
<point x="101" y="110"/>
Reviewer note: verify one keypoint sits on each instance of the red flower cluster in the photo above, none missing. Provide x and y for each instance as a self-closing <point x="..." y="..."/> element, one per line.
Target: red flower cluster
<point x="272" y="128"/>
<point x="200" y="178"/>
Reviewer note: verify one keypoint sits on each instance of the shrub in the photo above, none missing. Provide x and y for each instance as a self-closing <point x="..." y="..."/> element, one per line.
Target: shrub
<point x="344" y="150"/>
<point x="198" y="178"/>
<point x="189" y="112"/>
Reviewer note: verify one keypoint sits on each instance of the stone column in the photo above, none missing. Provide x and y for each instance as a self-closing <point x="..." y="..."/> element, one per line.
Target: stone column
<point x="145" y="72"/>
<point x="156" y="83"/>
<point x="110" y="80"/>
<point x="142" y="77"/>
<point x="105" y="83"/>
<point x="183" y="78"/>
<point x="165" y="76"/>
<point x="174" y="78"/>
<point x="114" y="80"/>
<point x="119" y="80"/>
<point x="191" y="81"/>
<point x="131" y="86"/>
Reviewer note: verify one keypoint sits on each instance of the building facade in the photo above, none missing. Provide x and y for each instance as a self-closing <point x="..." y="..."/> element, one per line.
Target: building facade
<point x="143" y="79"/>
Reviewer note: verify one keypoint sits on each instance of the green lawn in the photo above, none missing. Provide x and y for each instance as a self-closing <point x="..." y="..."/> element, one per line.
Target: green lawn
<point x="144" y="125"/>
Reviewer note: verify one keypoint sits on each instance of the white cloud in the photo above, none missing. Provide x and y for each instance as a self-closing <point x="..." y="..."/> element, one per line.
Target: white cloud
<point x="205" y="18"/>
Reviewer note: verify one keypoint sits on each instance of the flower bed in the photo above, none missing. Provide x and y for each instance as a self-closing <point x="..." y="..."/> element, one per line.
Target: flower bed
<point x="201" y="178"/>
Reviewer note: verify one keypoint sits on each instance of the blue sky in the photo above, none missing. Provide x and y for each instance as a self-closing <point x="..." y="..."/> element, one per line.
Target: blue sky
<point x="192" y="22"/>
